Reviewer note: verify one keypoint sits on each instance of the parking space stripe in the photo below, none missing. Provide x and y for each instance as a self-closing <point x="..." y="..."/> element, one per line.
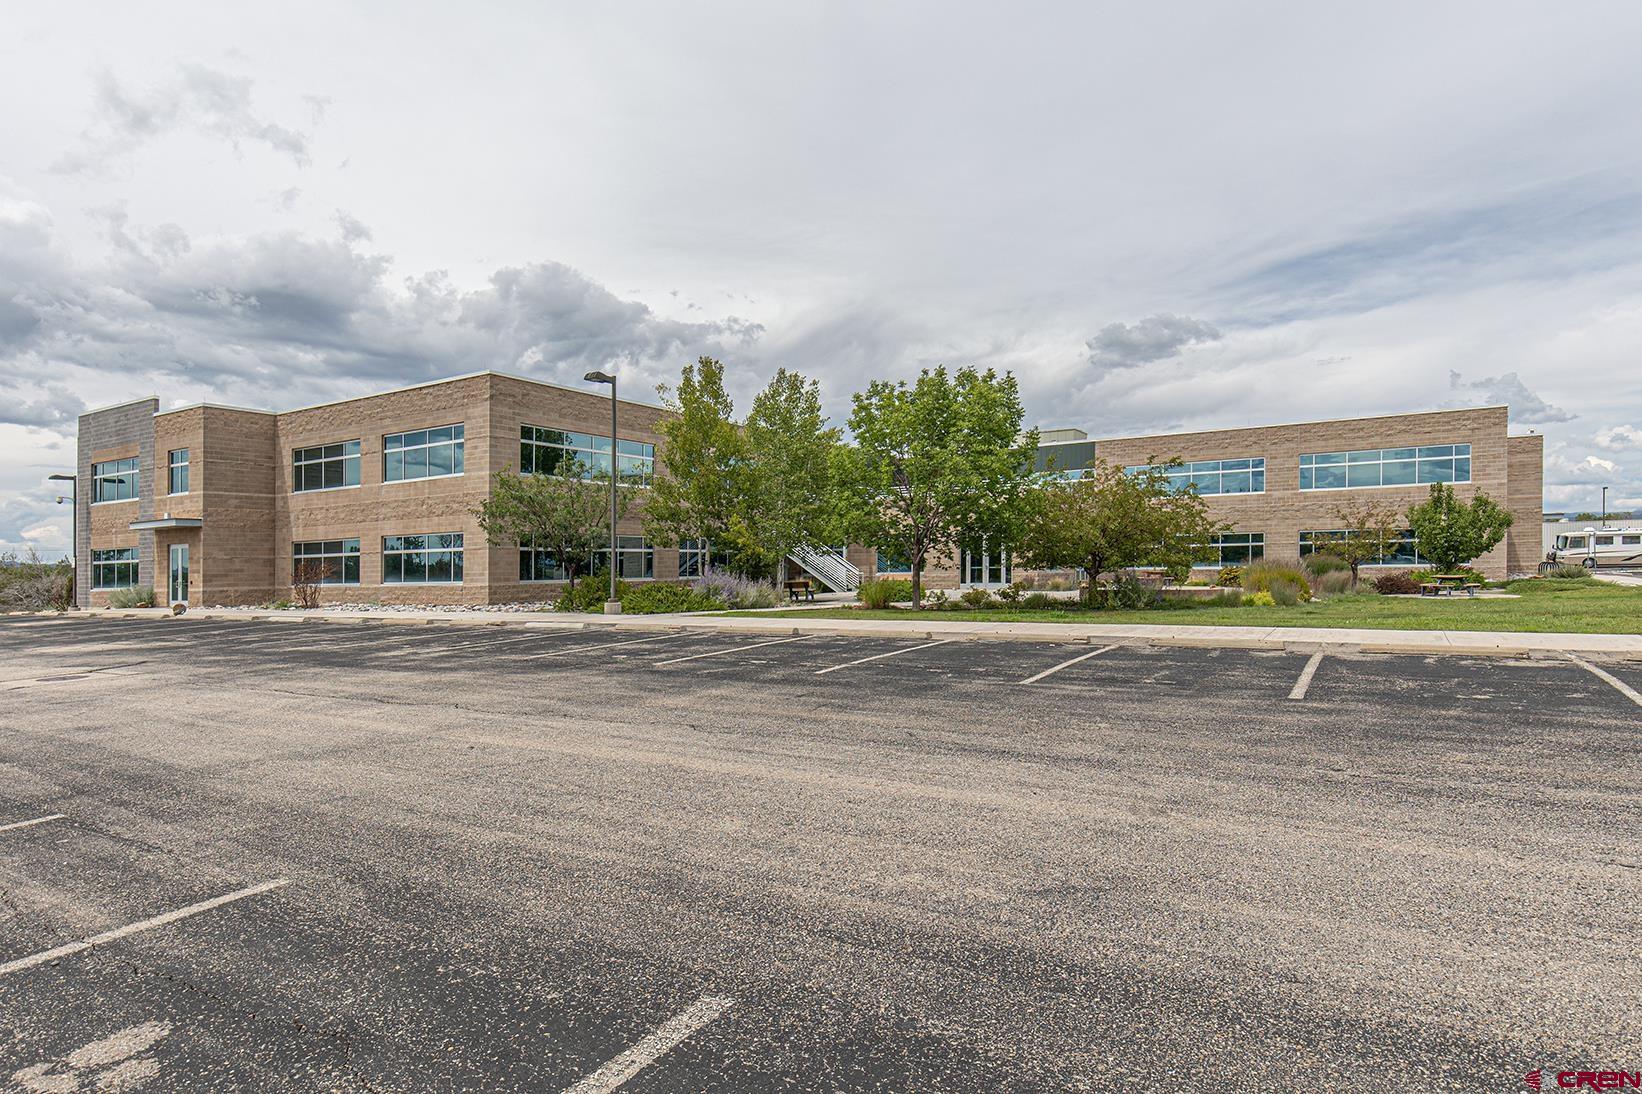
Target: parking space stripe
<point x="489" y="643"/>
<point x="881" y="656"/>
<point x="15" y="825"/>
<point x="663" y="1040"/>
<point x="71" y="948"/>
<point x="736" y="649"/>
<point x="1623" y="688"/>
<point x="1300" y="685"/>
<point x="1067" y="664"/>
<point x="605" y="645"/>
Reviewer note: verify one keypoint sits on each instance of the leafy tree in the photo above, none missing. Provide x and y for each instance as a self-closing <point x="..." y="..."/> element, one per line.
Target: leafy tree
<point x="567" y="513"/>
<point x="695" y="495"/>
<point x="783" y="496"/>
<point x="935" y="461"/>
<point x="1110" y="519"/>
<point x="1370" y="528"/>
<point x="1451" y="533"/>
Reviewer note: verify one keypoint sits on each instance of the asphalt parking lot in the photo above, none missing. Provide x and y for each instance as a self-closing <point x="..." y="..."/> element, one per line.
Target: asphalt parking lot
<point x="393" y="857"/>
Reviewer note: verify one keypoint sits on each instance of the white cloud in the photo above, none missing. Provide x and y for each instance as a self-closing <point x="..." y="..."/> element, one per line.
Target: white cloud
<point x="1619" y="438"/>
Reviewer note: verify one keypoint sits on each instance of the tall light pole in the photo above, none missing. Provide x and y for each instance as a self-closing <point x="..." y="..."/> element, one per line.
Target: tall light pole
<point x="612" y="606"/>
<point x="1604" y="507"/>
<point x="73" y="527"/>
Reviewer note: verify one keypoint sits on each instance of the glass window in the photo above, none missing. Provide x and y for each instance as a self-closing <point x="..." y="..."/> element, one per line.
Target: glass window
<point x="1604" y="541"/>
<point x="422" y="559"/>
<point x="176" y="462"/>
<point x="424" y="453"/>
<point x="114" y="569"/>
<point x="547" y="451"/>
<point x="1385" y="467"/>
<point x="635" y="559"/>
<point x="1401" y="551"/>
<point x="893" y="564"/>
<point x="115" y="480"/>
<point x="982" y="566"/>
<point x="693" y="556"/>
<point x="337" y="560"/>
<point x="1630" y="541"/>
<point x="325" y="467"/>
<point x="1236" y="548"/>
<point x="1245" y="476"/>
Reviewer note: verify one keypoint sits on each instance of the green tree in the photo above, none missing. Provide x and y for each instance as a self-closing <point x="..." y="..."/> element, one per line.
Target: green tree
<point x="694" y="495"/>
<point x="568" y="514"/>
<point x="1110" y="519"/>
<point x="1451" y="532"/>
<point x="933" y="463"/>
<point x="783" y="492"/>
<point x="1370" y="528"/>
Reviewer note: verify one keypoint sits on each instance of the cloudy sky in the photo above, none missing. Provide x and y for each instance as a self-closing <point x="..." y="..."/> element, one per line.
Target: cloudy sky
<point x="1158" y="216"/>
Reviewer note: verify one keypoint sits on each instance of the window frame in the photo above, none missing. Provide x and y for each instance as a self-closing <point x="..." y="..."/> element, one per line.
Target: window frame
<point x="341" y="553"/>
<point x="457" y="444"/>
<point x="1314" y="546"/>
<point x="300" y="460"/>
<point x="99" y="477"/>
<point x="1310" y="461"/>
<point x="172" y="466"/>
<point x="534" y="439"/>
<point x="1255" y="545"/>
<point x="456" y="551"/>
<point x="128" y="556"/>
<point x="1253" y="466"/>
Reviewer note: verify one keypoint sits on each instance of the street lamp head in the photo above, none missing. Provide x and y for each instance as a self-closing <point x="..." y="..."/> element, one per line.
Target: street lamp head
<point x="599" y="378"/>
<point x="61" y="478"/>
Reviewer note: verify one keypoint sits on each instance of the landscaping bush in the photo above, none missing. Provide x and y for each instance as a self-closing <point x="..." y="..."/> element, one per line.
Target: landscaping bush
<point x="1039" y="602"/>
<point x="1263" y="574"/>
<point x="667" y="596"/>
<point x="1011" y="594"/>
<point x="936" y="598"/>
<point x="1568" y="570"/>
<point x="1229" y="576"/>
<point x="976" y="598"/>
<point x="141" y="596"/>
<point x="881" y="592"/>
<point x="1285" y="594"/>
<point x="1332" y="583"/>
<point x="32" y="585"/>
<point x="1261" y="599"/>
<point x="590" y="594"/>
<point x="1230" y="598"/>
<point x="1319" y="563"/>
<point x="1129" y="593"/>
<point x="1401" y="583"/>
<point x="738" y="592"/>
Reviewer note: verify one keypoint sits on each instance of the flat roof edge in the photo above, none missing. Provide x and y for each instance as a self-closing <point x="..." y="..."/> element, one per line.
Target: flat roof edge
<point x="1290" y="425"/>
<point x="117" y="406"/>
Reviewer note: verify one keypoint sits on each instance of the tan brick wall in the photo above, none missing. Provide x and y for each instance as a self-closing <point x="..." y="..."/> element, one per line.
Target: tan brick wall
<point x="1524" y="544"/>
<point x="235" y="470"/>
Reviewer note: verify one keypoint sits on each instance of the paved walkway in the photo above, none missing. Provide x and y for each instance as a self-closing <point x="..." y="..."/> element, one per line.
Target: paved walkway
<point x="931" y="625"/>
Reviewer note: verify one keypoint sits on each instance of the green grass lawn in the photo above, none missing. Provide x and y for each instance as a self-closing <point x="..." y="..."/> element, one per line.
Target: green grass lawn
<point x="1580" y="606"/>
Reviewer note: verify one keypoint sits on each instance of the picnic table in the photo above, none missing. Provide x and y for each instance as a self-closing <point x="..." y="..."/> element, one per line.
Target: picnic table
<point x="1448" y="585"/>
<point x="801" y="589"/>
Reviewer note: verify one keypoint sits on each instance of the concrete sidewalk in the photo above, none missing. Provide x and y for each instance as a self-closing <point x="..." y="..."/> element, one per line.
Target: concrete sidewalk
<point x="931" y="625"/>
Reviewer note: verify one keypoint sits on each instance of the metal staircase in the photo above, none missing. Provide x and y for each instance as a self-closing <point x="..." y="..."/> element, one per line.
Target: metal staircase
<point x="829" y="566"/>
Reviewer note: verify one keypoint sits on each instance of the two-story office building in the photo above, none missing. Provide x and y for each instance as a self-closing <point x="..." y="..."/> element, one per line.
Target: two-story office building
<point x="1278" y="487"/>
<point x="217" y="505"/>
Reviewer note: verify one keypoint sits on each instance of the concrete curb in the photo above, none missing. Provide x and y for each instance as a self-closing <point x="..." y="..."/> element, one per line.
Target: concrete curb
<point x="1286" y="639"/>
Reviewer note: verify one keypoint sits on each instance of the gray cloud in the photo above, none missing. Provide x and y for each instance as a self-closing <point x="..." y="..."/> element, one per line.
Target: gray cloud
<point x="56" y="406"/>
<point x="1123" y="345"/>
<point x="215" y="103"/>
<point x="353" y="229"/>
<point x="1619" y="438"/>
<point x="1526" y="407"/>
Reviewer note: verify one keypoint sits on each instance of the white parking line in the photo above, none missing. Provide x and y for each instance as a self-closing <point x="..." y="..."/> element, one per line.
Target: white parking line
<point x="46" y="956"/>
<point x="15" y="825"/>
<point x="1624" y="689"/>
<point x="493" y="642"/>
<point x="881" y="656"/>
<point x="736" y="649"/>
<point x="666" y="1037"/>
<point x="604" y="645"/>
<point x="1068" y="664"/>
<point x="1300" y="685"/>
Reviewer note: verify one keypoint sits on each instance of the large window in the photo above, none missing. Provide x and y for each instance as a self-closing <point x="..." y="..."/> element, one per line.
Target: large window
<point x="889" y="563"/>
<point x="553" y="451"/>
<point x="1237" y="548"/>
<point x="696" y="557"/>
<point x="983" y="566"/>
<point x="114" y="569"/>
<point x="423" y="454"/>
<point x="176" y="463"/>
<point x="1385" y="467"/>
<point x="540" y="564"/>
<point x="325" y="467"/>
<point x="1217" y="476"/>
<point x="635" y="558"/>
<point x="115" y="480"/>
<point x="1400" y="551"/>
<point x="422" y="560"/>
<point x="338" y="560"/>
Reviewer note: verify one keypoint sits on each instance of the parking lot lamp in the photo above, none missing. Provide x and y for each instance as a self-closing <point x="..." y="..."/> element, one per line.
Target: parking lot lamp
<point x="612" y="606"/>
<point x="73" y="524"/>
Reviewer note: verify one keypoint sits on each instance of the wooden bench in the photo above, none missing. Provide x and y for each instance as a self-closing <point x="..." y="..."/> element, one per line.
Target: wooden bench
<point x="800" y="590"/>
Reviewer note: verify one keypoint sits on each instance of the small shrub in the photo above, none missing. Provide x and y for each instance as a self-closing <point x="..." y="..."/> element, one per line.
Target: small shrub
<point x="1229" y="576"/>
<point x="1401" y="583"/>
<point x="305" y="578"/>
<point x="1568" y="570"/>
<point x="881" y="592"/>
<point x="738" y="592"/>
<point x="590" y="594"/>
<point x="659" y="597"/>
<point x="936" y="598"/>
<point x="976" y="598"/>
<point x="140" y="596"/>
<point x="1319" y="563"/>
<point x="1262" y="573"/>
<point x="1261" y="599"/>
<point x="1333" y="583"/>
<point x="1011" y="594"/>
<point x="1038" y="602"/>
<point x="1229" y="598"/>
<point x="1129" y="593"/>
<point x="1285" y="594"/>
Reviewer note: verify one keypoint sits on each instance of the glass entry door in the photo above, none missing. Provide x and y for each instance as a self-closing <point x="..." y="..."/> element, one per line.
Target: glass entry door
<point x="179" y="574"/>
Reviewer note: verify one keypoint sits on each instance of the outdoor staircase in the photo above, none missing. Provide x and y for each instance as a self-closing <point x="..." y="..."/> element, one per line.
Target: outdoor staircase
<point x="829" y="566"/>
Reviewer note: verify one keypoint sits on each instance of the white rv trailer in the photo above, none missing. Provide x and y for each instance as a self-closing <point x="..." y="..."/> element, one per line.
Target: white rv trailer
<point x="1597" y="547"/>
